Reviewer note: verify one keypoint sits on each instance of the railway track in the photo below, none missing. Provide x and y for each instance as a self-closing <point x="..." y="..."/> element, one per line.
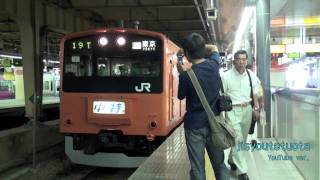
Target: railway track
<point x="59" y="167"/>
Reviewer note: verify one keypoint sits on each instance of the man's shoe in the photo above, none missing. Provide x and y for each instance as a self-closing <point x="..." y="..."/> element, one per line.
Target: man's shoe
<point x="243" y="177"/>
<point x="253" y="143"/>
<point x="233" y="166"/>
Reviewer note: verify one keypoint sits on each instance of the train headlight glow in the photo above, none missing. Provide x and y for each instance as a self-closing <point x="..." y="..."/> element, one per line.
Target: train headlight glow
<point x="121" y="41"/>
<point x="103" y="41"/>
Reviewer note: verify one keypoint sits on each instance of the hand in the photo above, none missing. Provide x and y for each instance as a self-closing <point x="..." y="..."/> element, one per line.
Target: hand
<point x="186" y="66"/>
<point x="210" y="48"/>
<point x="256" y="115"/>
<point x="180" y="68"/>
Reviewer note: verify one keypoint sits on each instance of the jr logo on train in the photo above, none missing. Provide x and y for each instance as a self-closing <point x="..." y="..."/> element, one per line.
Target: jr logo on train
<point x="143" y="86"/>
<point x="118" y="95"/>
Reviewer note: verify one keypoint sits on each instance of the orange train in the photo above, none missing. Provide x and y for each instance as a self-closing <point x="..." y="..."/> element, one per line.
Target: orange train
<point x="118" y="96"/>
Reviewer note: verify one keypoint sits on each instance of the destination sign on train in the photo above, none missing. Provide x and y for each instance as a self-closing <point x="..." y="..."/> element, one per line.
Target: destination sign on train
<point x="144" y="45"/>
<point x="79" y="45"/>
<point x="109" y="107"/>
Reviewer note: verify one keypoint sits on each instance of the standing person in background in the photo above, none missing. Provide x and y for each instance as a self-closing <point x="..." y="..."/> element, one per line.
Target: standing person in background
<point x="237" y="85"/>
<point x="196" y="125"/>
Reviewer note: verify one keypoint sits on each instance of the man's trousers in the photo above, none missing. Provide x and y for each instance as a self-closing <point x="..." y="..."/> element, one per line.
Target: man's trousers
<point x="240" y="119"/>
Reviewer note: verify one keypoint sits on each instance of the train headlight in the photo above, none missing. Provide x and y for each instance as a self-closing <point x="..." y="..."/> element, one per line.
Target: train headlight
<point x="103" y="41"/>
<point x="121" y="41"/>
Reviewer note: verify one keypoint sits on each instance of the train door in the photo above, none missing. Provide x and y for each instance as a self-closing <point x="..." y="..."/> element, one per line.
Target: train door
<point x="173" y="84"/>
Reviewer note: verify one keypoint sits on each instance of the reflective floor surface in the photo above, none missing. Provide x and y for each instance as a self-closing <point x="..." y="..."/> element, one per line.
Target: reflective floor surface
<point x="170" y="161"/>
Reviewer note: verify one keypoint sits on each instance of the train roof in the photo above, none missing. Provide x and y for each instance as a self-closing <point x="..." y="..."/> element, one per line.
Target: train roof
<point x="114" y="30"/>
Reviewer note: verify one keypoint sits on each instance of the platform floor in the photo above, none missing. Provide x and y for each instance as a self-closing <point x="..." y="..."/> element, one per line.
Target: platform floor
<point x="16" y="103"/>
<point x="170" y="161"/>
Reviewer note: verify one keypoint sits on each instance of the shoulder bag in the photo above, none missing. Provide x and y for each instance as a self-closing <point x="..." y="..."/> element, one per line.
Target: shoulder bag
<point x="222" y="134"/>
<point x="224" y="101"/>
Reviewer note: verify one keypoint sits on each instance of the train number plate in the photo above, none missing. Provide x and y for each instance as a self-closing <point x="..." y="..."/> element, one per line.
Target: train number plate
<point x="109" y="107"/>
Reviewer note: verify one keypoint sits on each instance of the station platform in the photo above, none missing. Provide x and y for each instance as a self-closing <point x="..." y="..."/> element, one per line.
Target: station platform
<point x="295" y="131"/>
<point x="19" y="103"/>
<point x="170" y="161"/>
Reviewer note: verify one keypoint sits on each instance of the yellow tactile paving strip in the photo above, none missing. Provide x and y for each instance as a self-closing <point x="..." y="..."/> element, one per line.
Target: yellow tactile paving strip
<point x="209" y="170"/>
<point x="169" y="161"/>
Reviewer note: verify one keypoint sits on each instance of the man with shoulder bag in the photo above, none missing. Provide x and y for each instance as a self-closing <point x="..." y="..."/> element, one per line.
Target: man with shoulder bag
<point x="242" y="86"/>
<point x="196" y="124"/>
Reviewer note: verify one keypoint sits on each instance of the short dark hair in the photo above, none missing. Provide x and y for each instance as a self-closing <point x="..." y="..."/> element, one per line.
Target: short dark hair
<point x="240" y="52"/>
<point x="194" y="44"/>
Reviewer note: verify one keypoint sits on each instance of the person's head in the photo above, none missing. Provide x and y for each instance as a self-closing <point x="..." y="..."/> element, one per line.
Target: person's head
<point x="193" y="46"/>
<point x="240" y="60"/>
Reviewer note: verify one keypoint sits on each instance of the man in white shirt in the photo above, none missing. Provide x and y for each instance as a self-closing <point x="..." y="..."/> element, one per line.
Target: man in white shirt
<point x="237" y="85"/>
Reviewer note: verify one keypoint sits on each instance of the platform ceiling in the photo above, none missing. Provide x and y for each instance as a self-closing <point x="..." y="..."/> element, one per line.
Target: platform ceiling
<point x="175" y="18"/>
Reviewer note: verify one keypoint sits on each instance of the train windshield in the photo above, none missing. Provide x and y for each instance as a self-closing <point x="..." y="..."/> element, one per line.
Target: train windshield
<point x="94" y="64"/>
<point x="130" y="67"/>
<point x="113" y="66"/>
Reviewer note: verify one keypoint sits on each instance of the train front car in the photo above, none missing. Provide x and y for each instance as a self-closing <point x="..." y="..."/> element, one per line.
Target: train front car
<point x="119" y="95"/>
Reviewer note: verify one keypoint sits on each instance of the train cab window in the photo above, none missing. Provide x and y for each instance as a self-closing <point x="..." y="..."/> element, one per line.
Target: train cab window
<point x="132" y="67"/>
<point x="121" y="68"/>
<point x="127" y="67"/>
<point x="103" y="66"/>
<point x="102" y="70"/>
<point x="78" y="65"/>
<point x="112" y="68"/>
<point x="151" y="69"/>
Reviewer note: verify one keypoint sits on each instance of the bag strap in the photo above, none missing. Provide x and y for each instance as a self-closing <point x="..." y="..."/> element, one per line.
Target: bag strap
<point x="251" y="92"/>
<point x="220" y="81"/>
<point x="221" y="85"/>
<point x="200" y="93"/>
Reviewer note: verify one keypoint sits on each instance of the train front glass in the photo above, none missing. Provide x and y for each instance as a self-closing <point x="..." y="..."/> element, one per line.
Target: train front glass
<point x="113" y="63"/>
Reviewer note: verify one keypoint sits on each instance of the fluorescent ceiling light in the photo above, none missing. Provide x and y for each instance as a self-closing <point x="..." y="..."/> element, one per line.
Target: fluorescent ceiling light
<point x="8" y="56"/>
<point x="245" y="18"/>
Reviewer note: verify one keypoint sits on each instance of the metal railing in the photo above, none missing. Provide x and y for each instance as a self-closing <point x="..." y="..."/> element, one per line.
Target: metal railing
<point x="295" y="123"/>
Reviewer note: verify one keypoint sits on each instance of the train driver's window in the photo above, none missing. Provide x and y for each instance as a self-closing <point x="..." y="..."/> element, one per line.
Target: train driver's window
<point x="102" y="70"/>
<point x="121" y="67"/>
<point x="85" y="66"/>
<point x="78" y="65"/>
<point x="103" y="66"/>
<point x="145" y="68"/>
